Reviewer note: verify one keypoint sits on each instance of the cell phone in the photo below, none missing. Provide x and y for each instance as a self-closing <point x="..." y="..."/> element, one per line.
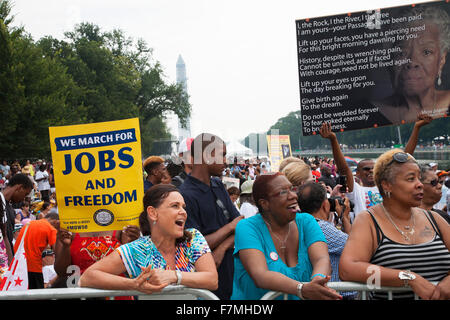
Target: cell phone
<point x="342" y="180"/>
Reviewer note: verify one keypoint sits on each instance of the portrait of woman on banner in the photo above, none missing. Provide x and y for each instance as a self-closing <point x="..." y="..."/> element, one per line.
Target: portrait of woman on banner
<point x="417" y="74"/>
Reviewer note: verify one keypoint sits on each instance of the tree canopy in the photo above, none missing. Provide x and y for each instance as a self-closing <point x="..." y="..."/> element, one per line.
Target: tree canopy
<point x="373" y="137"/>
<point x="89" y="76"/>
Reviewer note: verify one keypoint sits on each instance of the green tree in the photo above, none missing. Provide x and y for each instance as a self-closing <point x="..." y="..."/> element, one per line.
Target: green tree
<point x="33" y="91"/>
<point x="372" y="137"/>
<point x="90" y="76"/>
<point x="118" y="79"/>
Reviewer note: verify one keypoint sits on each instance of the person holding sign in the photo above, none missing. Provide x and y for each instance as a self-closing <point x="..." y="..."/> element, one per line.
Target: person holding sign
<point x="417" y="68"/>
<point x="84" y="249"/>
<point x="167" y="254"/>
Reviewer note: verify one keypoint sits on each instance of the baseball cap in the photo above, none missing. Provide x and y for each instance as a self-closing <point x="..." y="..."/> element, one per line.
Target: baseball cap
<point x="151" y="159"/>
<point x="47" y="252"/>
<point x="185" y="145"/>
<point x="247" y="187"/>
<point x="441" y="173"/>
<point x="432" y="164"/>
<point x="17" y="227"/>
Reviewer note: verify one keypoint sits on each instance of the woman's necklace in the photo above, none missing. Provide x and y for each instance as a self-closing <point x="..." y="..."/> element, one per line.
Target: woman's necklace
<point x="283" y="243"/>
<point x="403" y="233"/>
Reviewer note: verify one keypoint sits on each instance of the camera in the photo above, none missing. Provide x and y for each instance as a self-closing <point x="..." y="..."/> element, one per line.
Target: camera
<point x="342" y="180"/>
<point x="332" y="202"/>
<point x="340" y="200"/>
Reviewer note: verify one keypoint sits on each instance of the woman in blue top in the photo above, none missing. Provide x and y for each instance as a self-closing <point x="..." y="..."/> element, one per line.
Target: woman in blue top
<point x="280" y="249"/>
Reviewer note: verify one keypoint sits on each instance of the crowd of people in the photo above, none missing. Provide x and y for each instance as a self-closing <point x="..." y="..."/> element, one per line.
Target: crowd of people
<point x="291" y="230"/>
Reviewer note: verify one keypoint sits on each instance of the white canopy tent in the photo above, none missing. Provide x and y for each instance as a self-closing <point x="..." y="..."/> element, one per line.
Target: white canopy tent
<point x="237" y="149"/>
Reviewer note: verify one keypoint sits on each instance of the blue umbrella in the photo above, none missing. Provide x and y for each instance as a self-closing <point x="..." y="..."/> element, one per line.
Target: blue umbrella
<point x="351" y="162"/>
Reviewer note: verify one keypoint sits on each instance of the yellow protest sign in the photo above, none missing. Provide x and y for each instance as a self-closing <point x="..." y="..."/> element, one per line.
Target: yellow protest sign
<point x="279" y="148"/>
<point x="98" y="175"/>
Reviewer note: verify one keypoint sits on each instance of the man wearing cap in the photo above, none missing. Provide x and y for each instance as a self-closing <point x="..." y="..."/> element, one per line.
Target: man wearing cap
<point x="443" y="177"/>
<point x="48" y="269"/>
<point x="17" y="228"/>
<point x="248" y="207"/>
<point x="184" y="152"/>
<point x="209" y="207"/>
<point x="433" y="166"/>
<point x="156" y="171"/>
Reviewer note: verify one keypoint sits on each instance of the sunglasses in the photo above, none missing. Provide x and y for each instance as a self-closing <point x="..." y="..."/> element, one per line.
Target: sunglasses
<point x="401" y="157"/>
<point x="434" y="182"/>
<point x="367" y="168"/>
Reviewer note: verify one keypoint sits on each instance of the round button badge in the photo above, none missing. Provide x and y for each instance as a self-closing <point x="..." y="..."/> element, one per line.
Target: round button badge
<point x="274" y="256"/>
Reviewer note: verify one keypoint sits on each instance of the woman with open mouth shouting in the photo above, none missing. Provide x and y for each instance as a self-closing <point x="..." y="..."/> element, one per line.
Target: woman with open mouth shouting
<point x="166" y="254"/>
<point x="280" y="249"/>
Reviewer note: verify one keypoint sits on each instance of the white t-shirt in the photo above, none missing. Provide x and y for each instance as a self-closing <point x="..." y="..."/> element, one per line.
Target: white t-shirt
<point x="443" y="201"/>
<point x="251" y="172"/>
<point x="448" y="202"/>
<point x="42" y="184"/>
<point x="247" y="210"/>
<point x="364" y="197"/>
<point x="48" y="272"/>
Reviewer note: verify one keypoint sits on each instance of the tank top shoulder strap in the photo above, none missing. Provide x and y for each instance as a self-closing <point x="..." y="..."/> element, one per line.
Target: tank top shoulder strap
<point x="433" y="222"/>
<point x="377" y="227"/>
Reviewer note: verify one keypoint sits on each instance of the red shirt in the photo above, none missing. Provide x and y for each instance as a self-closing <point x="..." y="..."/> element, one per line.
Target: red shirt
<point x="85" y="251"/>
<point x="316" y="174"/>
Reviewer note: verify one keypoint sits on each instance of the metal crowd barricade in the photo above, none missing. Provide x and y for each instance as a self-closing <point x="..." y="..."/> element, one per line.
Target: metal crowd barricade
<point x="362" y="289"/>
<point x="83" y="293"/>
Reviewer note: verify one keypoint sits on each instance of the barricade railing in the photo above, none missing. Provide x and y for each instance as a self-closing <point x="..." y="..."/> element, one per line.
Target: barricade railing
<point x="171" y="291"/>
<point x="361" y="288"/>
<point x="84" y="293"/>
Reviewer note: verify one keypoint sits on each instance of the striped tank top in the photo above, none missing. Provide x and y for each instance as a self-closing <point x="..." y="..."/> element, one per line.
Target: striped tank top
<point x="431" y="259"/>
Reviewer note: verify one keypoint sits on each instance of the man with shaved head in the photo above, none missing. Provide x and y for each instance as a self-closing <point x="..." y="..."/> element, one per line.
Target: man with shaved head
<point x="209" y="207"/>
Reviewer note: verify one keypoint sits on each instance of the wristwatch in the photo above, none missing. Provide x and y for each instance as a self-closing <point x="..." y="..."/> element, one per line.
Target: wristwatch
<point x="406" y="276"/>
<point x="299" y="290"/>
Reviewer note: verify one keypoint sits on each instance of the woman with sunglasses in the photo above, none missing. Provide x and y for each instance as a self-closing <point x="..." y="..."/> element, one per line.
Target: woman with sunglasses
<point x="280" y="249"/>
<point x="395" y="243"/>
<point x="432" y="190"/>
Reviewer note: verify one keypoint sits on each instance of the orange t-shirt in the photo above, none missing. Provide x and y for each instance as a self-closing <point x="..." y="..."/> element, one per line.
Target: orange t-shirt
<point x="40" y="234"/>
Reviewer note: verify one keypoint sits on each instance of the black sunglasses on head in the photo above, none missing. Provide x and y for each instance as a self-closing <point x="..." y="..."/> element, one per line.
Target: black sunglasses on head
<point x="401" y="157"/>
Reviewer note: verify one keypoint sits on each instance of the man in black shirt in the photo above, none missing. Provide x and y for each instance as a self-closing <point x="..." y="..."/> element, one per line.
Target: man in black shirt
<point x="209" y="206"/>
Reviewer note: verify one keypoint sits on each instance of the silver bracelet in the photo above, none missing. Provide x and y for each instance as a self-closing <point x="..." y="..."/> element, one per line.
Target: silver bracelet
<point x="179" y="276"/>
<point x="299" y="290"/>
